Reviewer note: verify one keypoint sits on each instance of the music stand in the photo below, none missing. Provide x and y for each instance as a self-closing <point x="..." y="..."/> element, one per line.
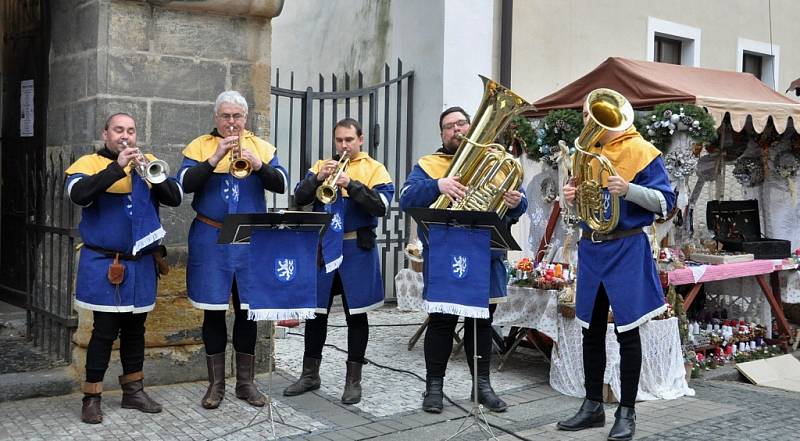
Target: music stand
<point x="501" y="239"/>
<point x="237" y="229"/>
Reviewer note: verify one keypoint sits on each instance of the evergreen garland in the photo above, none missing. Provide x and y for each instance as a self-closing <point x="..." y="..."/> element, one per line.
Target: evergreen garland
<point x="660" y="125"/>
<point x="559" y="125"/>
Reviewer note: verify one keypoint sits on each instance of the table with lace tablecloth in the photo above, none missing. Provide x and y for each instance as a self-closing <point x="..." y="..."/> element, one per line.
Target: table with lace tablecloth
<point x="524" y="309"/>
<point x="663" y="374"/>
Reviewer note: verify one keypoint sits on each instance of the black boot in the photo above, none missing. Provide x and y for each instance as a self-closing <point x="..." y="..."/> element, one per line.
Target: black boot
<point x="245" y="384"/>
<point x="134" y="396"/>
<point x="309" y="380"/>
<point x="591" y="414"/>
<point x="624" y="424"/>
<point x="433" y="396"/>
<point x="487" y="395"/>
<point x="91" y="413"/>
<point x="352" y="383"/>
<point x="216" y="381"/>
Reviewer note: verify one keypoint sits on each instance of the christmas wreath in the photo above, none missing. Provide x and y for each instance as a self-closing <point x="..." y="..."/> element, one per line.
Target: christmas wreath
<point x="559" y="125"/>
<point x="666" y="119"/>
<point x="749" y="171"/>
<point x="518" y="136"/>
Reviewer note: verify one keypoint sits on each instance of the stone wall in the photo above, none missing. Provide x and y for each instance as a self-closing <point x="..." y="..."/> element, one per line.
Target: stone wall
<point x="165" y="67"/>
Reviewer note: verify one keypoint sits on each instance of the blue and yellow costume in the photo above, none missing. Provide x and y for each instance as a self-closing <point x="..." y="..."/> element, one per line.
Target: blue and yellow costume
<point x="355" y="212"/>
<point x="421" y="190"/>
<point x="212" y="267"/>
<point x="624" y="266"/>
<point x="105" y="191"/>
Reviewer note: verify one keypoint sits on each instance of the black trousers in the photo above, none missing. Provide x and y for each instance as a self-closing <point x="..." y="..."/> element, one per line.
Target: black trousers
<point x="357" y="329"/>
<point x="594" y="355"/>
<point x="107" y="326"/>
<point x="215" y="330"/>
<point x="439" y="342"/>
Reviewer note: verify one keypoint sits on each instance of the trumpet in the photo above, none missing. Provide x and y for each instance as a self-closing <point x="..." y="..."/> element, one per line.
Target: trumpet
<point x="326" y="193"/>
<point x="154" y="172"/>
<point x="240" y="167"/>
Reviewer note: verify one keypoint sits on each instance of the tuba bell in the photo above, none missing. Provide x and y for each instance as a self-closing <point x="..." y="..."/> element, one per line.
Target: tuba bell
<point x="608" y="111"/>
<point x="484" y="166"/>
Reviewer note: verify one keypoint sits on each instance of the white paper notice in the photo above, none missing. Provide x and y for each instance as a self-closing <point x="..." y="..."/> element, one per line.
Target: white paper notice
<point x="26" y="109"/>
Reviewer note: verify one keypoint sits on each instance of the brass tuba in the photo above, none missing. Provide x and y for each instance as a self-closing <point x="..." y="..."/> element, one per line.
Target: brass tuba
<point x="326" y="193"/>
<point x="608" y="111"/>
<point x="240" y="167"/>
<point x="484" y="166"/>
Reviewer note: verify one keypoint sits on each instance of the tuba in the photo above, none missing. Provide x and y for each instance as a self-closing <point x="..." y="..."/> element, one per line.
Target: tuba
<point x="326" y="193"/>
<point x="154" y="172"/>
<point x="240" y="167"/>
<point x="608" y="111"/>
<point x="484" y="166"/>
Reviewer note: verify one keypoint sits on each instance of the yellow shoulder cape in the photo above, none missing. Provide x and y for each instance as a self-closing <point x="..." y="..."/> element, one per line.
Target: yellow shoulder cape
<point x="629" y="153"/>
<point x="362" y="168"/>
<point x="435" y="165"/>
<point x="202" y="147"/>
<point x="94" y="163"/>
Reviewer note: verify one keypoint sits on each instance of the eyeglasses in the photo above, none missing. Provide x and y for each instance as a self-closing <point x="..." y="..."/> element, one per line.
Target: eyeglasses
<point x="227" y="116"/>
<point x="460" y="123"/>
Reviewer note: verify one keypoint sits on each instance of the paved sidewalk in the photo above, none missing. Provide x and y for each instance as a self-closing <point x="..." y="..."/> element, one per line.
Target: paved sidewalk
<point x="390" y="408"/>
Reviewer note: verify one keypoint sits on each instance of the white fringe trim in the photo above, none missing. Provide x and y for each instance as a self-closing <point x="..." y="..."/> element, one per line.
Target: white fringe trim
<point x="643" y="319"/>
<point x="281" y="314"/>
<point x="455" y="309"/>
<point x="112" y="308"/>
<point x="151" y="238"/>
<point x="333" y="266"/>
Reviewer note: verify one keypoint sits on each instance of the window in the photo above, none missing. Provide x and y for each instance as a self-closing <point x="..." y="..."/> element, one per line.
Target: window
<point x="673" y="43"/>
<point x="760" y="59"/>
<point x="667" y="50"/>
<point x="751" y="63"/>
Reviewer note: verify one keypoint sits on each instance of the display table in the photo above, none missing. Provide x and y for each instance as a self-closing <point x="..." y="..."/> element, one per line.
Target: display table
<point x="527" y="309"/>
<point x="697" y="275"/>
<point x="663" y="374"/>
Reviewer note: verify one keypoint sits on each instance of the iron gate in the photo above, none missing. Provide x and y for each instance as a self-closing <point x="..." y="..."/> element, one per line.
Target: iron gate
<point x="302" y="130"/>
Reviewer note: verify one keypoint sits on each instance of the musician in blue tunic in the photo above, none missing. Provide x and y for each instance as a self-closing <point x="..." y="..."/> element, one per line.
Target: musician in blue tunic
<point x="349" y="258"/>
<point x="423" y="186"/>
<point x="121" y="231"/>
<point x="217" y="274"/>
<point x="617" y="269"/>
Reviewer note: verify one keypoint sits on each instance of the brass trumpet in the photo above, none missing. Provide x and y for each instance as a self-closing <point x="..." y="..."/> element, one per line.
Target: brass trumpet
<point x="326" y="193"/>
<point x="154" y="172"/>
<point x="240" y="167"/>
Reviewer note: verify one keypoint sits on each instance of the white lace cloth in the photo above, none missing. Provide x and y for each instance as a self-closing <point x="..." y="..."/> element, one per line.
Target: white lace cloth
<point x="530" y="308"/>
<point x="663" y="375"/>
<point x="408" y="285"/>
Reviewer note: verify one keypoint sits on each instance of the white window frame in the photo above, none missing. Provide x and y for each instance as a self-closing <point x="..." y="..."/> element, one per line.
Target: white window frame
<point x="689" y="37"/>
<point x="770" y="59"/>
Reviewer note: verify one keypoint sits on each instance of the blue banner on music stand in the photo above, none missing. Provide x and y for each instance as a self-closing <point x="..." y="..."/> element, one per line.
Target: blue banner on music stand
<point x="458" y="271"/>
<point x="286" y="262"/>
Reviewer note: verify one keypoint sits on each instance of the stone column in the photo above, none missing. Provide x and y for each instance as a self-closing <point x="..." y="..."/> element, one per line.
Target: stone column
<point x="164" y="62"/>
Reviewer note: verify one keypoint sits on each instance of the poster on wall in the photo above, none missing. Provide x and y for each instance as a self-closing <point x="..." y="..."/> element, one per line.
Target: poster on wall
<point x="26" y="108"/>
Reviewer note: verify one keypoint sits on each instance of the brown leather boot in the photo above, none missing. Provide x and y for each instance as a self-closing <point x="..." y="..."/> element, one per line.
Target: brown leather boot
<point x="352" y="383"/>
<point x="245" y="387"/>
<point x="134" y="396"/>
<point x="91" y="413"/>
<point x="216" y="381"/>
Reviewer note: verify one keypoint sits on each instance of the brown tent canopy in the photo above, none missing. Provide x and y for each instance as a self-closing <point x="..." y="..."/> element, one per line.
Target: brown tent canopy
<point x="646" y="84"/>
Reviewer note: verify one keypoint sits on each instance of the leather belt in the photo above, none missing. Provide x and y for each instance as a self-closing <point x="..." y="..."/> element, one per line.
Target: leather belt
<point x="111" y="254"/>
<point x="350" y="235"/>
<point x="208" y="221"/>
<point x="596" y="237"/>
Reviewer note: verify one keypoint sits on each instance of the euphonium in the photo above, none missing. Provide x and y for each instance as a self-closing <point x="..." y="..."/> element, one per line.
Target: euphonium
<point x="484" y="166"/>
<point x="326" y="193"/>
<point x="240" y="167"/>
<point x="154" y="172"/>
<point x="608" y="111"/>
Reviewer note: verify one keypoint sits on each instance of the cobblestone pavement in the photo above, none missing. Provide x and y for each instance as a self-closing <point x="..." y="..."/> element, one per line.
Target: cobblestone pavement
<point x="390" y="409"/>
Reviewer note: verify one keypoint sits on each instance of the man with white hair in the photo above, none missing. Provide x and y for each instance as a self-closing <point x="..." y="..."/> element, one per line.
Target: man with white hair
<point x="215" y="272"/>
